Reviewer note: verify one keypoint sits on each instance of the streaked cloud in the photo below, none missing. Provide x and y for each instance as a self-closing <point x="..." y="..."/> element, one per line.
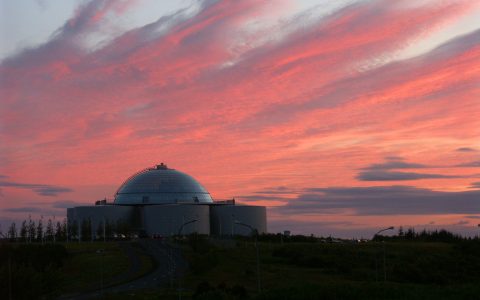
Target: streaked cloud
<point x="465" y="149"/>
<point x="475" y="185"/>
<point x="386" y="171"/>
<point x="23" y="210"/>
<point x="382" y="200"/>
<point x="39" y="189"/>
<point x="471" y="164"/>
<point x="395" y="176"/>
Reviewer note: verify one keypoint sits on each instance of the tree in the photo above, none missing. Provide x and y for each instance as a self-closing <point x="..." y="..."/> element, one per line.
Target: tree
<point x="12" y="232"/>
<point x="49" y="231"/>
<point x="31" y="230"/>
<point x="64" y="230"/>
<point x="59" y="232"/>
<point x="401" y="233"/>
<point x="40" y="231"/>
<point x="24" y="231"/>
<point x="73" y="230"/>
<point x="410" y="234"/>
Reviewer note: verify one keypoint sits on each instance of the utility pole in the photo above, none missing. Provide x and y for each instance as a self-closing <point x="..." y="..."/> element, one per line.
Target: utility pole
<point x="10" y="276"/>
<point x="384" y="253"/>
<point x="104" y="238"/>
<point x="254" y="231"/>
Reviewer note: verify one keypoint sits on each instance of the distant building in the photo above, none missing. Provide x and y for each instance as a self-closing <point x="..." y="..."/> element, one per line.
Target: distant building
<point x="162" y="201"/>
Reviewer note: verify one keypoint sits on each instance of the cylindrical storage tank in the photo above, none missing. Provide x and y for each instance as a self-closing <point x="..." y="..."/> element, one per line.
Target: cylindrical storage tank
<point x="237" y="219"/>
<point x="101" y="213"/>
<point x="172" y="219"/>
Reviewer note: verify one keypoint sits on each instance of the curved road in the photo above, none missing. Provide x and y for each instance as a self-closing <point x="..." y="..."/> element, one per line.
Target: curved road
<point x="169" y="265"/>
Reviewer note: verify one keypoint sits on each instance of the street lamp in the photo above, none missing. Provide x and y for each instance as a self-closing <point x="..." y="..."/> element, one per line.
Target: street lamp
<point x="384" y="252"/>
<point x="179" y="279"/>
<point x="255" y="233"/>
<point x="382" y="230"/>
<point x="186" y="223"/>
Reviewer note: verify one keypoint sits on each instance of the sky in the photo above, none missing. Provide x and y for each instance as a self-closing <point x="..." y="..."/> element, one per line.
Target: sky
<point x="342" y="117"/>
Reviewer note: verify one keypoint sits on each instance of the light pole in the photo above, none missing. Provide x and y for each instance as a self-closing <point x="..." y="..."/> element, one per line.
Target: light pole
<point x="384" y="252"/>
<point x="104" y="230"/>
<point x="233" y="225"/>
<point x="382" y="230"/>
<point x="179" y="279"/>
<point x="186" y="223"/>
<point x="255" y="233"/>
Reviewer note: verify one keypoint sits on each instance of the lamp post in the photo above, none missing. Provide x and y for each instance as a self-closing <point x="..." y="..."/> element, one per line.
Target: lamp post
<point x="384" y="252"/>
<point x="382" y="230"/>
<point x="179" y="279"/>
<point x="255" y="233"/>
<point x="186" y="223"/>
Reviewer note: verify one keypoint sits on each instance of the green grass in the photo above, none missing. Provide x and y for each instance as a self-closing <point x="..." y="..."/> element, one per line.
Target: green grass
<point x="338" y="271"/>
<point x="294" y="270"/>
<point x="82" y="271"/>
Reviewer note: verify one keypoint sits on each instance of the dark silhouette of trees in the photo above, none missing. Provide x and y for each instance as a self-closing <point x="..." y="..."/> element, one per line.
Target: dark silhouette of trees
<point x="49" y="232"/>
<point x="58" y="232"/>
<point x="61" y="231"/>
<point x="64" y="231"/>
<point x="24" y="232"/>
<point x="441" y="235"/>
<point x="40" y="231"/>
<point x="12" y="232"/>
<point x="31" y="230"/>
<point x="33" y="270"/>
<point x="73" y="230"/>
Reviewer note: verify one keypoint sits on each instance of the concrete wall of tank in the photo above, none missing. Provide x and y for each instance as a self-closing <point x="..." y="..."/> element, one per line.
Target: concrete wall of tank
<point x="223" y="218"/>
<point x="99" y="213"/>
<point x="166" y="220"/>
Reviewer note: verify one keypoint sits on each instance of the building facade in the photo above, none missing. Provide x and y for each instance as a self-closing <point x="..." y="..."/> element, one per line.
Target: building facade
<point x="160" y="201"/>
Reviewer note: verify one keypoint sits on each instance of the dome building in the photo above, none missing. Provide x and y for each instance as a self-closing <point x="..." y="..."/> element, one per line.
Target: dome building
<point x="163" y="201"/>
<point x="161" y="185"/>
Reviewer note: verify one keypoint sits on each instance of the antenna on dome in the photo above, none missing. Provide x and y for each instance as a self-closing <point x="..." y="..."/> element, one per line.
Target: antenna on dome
<point x="162" y="166"/>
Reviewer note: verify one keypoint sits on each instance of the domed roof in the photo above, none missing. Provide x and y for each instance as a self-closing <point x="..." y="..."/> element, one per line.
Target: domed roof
<point x="161" y="185"/>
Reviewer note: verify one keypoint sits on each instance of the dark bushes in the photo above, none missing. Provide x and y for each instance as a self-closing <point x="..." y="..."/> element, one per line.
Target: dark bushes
<point x="32" y="270"/>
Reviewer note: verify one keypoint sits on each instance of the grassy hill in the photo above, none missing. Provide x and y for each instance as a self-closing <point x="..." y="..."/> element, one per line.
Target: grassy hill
<point x="290" y="268"/>
<point x="319" y="270"/>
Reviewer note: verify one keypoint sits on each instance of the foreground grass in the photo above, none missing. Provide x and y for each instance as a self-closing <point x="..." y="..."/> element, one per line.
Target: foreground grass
<point x="83" y="269"/>
<point x="226" y="269"/>
<point x="415" y="270"/>
<point x="33" y="271"/>
<point x="335" y="271"/>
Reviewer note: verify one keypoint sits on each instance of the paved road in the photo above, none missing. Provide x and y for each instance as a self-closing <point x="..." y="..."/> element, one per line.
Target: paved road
<point x="169" y="266"/>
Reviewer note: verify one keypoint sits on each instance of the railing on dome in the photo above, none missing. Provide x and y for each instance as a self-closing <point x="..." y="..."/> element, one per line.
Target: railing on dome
<point x="131" y="177"/>
<point x="104" y="201"/>
<point x="223" y="202"/>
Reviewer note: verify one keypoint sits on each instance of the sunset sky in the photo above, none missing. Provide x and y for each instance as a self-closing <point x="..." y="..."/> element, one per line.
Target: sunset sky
<point x="342" y="117"/>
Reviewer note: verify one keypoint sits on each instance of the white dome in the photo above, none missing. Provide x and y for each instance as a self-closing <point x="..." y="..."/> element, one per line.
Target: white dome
<point x="161" y="185"/>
